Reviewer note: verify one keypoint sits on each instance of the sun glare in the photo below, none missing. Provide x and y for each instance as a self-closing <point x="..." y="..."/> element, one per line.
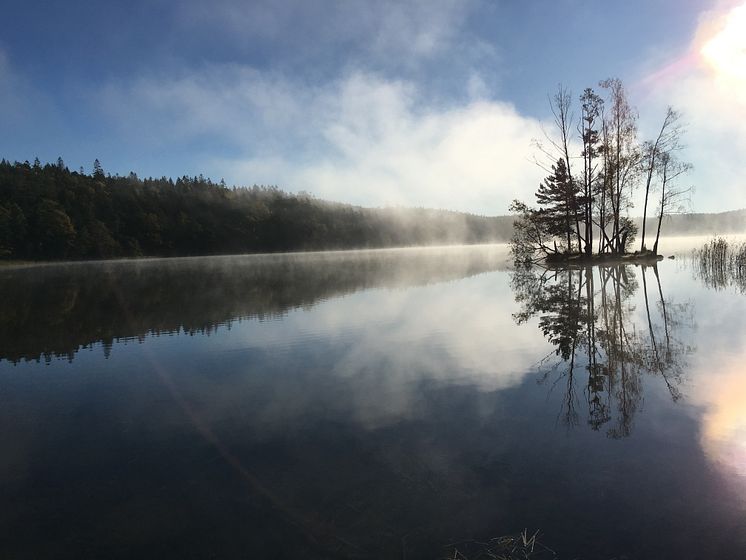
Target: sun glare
<point x="726" y="51"/>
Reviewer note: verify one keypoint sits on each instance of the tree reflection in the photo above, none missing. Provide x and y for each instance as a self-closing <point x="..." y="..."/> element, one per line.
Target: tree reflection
<point x="591" y="316"/>
<point x="54" y="311"/>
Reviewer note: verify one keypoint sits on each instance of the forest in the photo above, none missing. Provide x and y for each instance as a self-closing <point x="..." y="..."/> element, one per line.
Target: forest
<point x="48" y="212"/>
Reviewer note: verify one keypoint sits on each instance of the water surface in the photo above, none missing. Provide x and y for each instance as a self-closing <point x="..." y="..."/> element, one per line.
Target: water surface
<point x="381" y="404"/>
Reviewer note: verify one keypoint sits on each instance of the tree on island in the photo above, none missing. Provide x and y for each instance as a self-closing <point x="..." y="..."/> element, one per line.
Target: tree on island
<point x="572" y="208"/>
<point x="657" y="155"/>
<point x="557" y="196"/>
<point x="673" y="198"/>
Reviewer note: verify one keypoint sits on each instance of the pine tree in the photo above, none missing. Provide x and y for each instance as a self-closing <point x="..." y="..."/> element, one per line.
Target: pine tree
<point x="557" y="198"/>
<point x="591" y="108"/>
<point x="98" y="171"/>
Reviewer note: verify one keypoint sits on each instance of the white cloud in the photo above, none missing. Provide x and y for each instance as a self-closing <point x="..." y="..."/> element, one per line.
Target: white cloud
<point x="229" y="101"/>
<point x="389" y="151"/>
<point x="361" y="139"/>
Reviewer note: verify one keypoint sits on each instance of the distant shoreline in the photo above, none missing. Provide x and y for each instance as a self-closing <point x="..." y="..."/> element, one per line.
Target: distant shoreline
<point x="606" y="260"/>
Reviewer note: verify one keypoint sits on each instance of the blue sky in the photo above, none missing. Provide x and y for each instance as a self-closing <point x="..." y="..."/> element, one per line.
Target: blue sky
<point x="430" y="103"/>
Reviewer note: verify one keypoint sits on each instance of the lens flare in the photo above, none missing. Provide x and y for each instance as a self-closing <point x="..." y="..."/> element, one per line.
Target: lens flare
<point x="725" y="52"/>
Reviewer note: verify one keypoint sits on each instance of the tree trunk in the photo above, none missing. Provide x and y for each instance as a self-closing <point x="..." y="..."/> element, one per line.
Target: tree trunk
<point x="645" y="207"/>
<point x="658" y="233"/>
<point x="663" y="208"/>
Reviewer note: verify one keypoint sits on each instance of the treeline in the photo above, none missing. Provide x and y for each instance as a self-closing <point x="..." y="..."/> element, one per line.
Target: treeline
<point x="50" y="212"/>
<point x="722" y="223"/>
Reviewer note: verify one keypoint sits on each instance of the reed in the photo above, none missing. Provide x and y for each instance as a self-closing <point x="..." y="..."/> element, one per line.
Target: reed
<point x="523" y="546"/>
<point x="721" y="263"/>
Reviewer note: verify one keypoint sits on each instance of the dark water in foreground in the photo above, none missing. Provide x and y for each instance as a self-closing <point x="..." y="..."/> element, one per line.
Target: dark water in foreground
<point x="381" y="404"/>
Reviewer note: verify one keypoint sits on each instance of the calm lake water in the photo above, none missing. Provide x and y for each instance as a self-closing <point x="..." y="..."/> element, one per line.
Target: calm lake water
<point x="381" y="404"/>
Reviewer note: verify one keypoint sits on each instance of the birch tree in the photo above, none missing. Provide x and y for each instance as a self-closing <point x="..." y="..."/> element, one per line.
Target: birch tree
<point x="668" y="141"/>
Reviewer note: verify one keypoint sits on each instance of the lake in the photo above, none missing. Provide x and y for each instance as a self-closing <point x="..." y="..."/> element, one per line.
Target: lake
<point x="376" y="404"/>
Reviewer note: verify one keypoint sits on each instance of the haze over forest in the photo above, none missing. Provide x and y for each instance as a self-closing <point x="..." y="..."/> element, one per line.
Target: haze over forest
<point x="50" y="212"/>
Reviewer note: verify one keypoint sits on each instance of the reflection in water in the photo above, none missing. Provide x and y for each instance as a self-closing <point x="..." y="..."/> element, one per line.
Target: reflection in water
<point x="720" y="265"/>
<point x="724" y="422"/>
<point x="56" y="310"/>
<point x="319" y="434"/>
<point x="588" y="315"/>
<point x="365" y="405"/>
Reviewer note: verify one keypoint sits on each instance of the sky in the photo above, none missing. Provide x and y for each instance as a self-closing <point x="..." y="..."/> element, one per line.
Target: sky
<point x="431" y="103"/>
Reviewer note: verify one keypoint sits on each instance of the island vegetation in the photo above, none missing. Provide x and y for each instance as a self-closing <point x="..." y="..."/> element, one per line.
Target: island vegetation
<point x="596" y="164"/>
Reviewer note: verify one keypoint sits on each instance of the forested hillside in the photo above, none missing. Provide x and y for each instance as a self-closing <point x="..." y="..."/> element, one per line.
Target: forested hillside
<point x="50" y="212"/>
<point x="722" y="223"/>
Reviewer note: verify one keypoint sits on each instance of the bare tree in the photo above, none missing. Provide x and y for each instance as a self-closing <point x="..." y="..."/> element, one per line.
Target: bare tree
<point x="667" y="142"/>
<point x="673" y="198"/>
<point x="622" y="155"/>
<point x="558" y="147"/>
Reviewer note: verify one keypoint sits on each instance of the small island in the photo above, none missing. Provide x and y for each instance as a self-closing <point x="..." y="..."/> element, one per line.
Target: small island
<point x="581" y="216"/>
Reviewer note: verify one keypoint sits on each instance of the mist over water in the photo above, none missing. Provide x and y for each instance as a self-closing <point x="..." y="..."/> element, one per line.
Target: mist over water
<point x="370" y="404"/>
